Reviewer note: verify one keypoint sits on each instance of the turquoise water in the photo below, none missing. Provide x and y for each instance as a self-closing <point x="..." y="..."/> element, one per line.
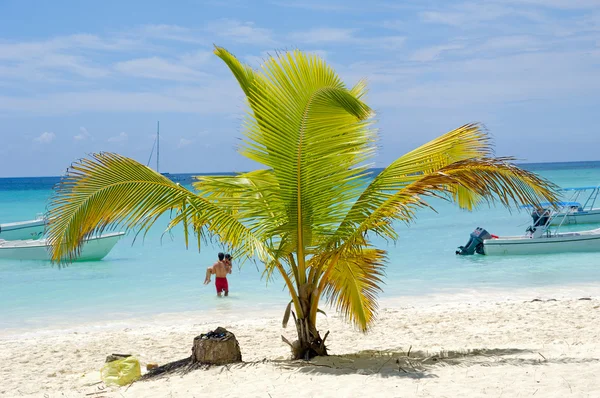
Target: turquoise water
<point x="159" y="275"/>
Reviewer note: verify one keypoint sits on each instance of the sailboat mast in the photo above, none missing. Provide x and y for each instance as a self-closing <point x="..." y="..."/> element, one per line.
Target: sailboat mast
<point x="157" y="145"/>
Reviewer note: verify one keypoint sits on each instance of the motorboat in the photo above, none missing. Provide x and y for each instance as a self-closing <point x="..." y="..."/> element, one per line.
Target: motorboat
<point x="94" y="248"/>
<point x="32" y="229"/>
<point x="573" y="212"/>
<point x="539" y="238"/>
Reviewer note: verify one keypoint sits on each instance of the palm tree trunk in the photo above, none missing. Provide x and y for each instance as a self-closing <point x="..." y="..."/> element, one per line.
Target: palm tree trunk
<point x="309" y="343"/>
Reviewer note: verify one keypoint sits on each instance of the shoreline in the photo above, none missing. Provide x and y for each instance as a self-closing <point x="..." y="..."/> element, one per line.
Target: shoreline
<point x="451" y="297"/>
<point x="490" y="345"/>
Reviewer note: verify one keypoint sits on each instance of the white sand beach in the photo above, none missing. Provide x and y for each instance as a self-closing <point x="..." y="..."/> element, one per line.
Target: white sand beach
<point x="492" y="346"/>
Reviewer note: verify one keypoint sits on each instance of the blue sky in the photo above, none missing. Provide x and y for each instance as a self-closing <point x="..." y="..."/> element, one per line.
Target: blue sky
<point x="78" y="77"/>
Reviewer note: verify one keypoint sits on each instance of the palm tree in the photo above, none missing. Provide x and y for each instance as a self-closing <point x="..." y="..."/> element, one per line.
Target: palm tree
<point x="310" y="213"/>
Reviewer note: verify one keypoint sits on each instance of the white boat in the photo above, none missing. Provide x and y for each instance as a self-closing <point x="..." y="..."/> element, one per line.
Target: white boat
<point x="94" y="248"/>
<point x="566" y="242"/>
<point x="539" y="238"/>
<point x="32" y="229"/>
<point x="573" y="212"/>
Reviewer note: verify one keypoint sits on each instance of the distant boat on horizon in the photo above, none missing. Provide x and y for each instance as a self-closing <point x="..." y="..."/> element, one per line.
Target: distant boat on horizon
<point x="157" y="146"/>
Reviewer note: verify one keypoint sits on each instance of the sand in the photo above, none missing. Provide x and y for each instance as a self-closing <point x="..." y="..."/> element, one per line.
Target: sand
<point x="494" y="346"/>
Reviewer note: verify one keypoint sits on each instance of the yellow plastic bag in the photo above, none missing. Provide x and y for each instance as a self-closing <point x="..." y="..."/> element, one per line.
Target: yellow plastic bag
<point x="121" y="372"/>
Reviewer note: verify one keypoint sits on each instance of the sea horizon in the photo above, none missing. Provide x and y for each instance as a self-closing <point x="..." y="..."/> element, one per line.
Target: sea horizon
<point x="187" y="177"/>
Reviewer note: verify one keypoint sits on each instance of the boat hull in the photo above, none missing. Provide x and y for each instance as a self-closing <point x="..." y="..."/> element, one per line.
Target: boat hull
<point x="33" y="229"/>
<point x="95" y="248"/>
<point x="579" y="217"/>
<point x="566" y="243"/>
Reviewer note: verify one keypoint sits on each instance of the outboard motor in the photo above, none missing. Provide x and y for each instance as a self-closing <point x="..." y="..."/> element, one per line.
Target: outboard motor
<point x="475" y="243"/>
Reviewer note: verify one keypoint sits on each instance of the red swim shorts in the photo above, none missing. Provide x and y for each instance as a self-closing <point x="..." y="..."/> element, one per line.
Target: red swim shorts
<point x="221" y="284"/>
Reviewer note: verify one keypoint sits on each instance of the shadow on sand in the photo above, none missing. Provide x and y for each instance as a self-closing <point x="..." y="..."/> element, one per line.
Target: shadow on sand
<point x="415" y="364"/>
<point x="420" y="364"/>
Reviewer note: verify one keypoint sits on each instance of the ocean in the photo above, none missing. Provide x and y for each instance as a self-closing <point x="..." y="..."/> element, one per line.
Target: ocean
<point x="158" y="275"/>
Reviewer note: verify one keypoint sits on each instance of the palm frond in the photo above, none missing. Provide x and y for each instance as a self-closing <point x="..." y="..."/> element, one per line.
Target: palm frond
<point x="469" y="142"/>
<point x="465" y="142"/>
<point x="115" y="192"/>
<point x="253" y="199"/>
<point x="360" y="89"/>
<point x="469" y="183"/>
<point x="354" y="283"/>
<point x="314" y="134"/>
<point x="250" y="191"/>
<point x="243" y="73"/>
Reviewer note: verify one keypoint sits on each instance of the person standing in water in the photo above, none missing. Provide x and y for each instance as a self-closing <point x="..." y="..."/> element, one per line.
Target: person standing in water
<point x="221" y="268"/>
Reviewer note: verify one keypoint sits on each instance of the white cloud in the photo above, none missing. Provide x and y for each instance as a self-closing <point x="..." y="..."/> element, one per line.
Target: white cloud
<point x="53" y="58"/>
<point x="119" y="138"/>
<point x="51" y="67"/>
<point x="490" y="47"/>
<point x="517" y="42"/>
<point x="170" y="33"/>
<point x="326" y="36"/>
<point x="45" y="138"/>
<point x="257" y="60"/>
<point x="432" y="53"/>
<point x="466" y="15"/>
<point x="218" y="96"/>
<point x="394" y="25"/>
<point x="565" y="4"/>
<point x="196" y="58"/>
<point x="25" y="50"/>
<point x="474" y="14"/>
<point x="314" y="5"/>
<point x="70" y="63"/>
<point x="386" y="42"/>
<point x="241" y="32"/>
<point x="183" y="142"/>
<point x="323" y="35"/>
<point x="84" y="134"/>
<point x="537" y="76"/>
<point x="446" y="18"/>
<point x="159" y="68"/>
<point x="63" y="58"/>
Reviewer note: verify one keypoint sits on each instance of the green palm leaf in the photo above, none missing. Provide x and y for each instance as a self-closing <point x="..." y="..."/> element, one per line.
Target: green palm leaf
<point x="466" y="147"/>
<point x="313" y="134"/>
<point x="468" y="182"/>
<point x="243" y="73"/>
<point x="354" y="283"/>
<point x="115" y="192"/>
<point x="252" y="197"/>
